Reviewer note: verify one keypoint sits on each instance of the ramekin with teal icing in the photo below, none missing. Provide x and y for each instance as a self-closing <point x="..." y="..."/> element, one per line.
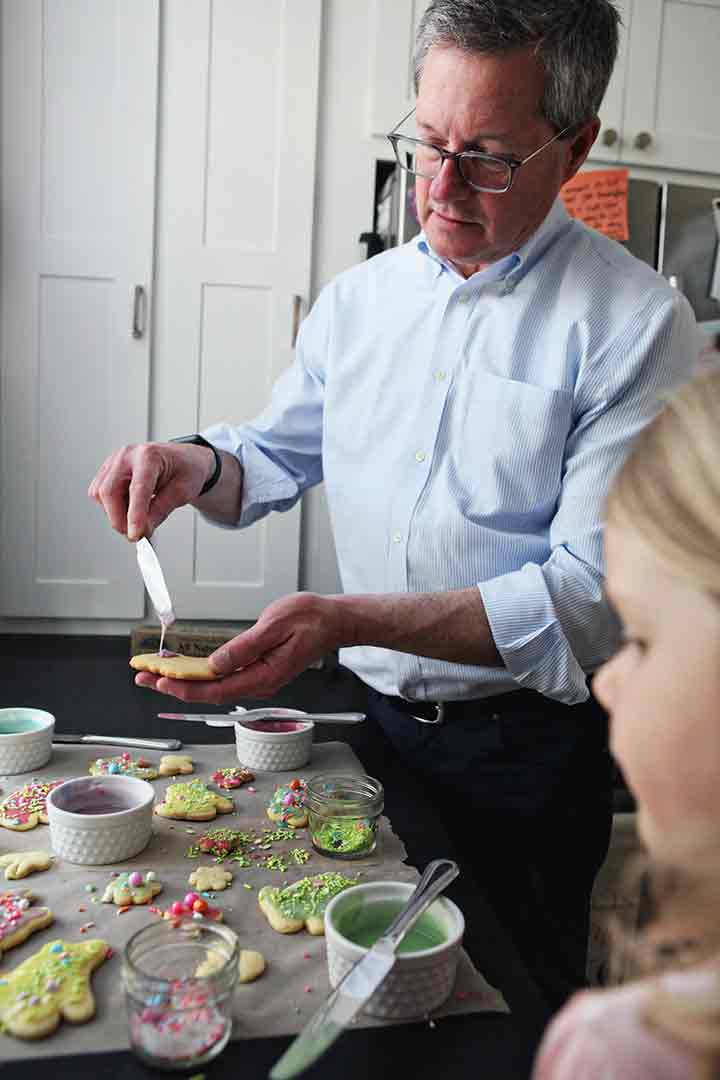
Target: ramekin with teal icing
<point x="25" y="740"/>
<point x="426" y="966"/>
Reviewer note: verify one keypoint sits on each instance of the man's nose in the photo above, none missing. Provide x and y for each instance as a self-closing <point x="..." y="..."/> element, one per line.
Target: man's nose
<point x="449" y="183"/>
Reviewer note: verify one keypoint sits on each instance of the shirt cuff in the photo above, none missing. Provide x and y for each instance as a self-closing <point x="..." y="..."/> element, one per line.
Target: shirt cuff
<point x="529" y="637"/>
<point x="266" y="486"/>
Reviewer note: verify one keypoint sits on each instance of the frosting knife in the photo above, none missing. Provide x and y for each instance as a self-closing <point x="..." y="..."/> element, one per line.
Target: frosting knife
<point x="227" y="720"/>
<point x="154" y="580"/>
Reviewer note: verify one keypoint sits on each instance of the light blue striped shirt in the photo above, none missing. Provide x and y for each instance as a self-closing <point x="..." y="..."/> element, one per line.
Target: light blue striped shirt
<point x="467" y="432"/>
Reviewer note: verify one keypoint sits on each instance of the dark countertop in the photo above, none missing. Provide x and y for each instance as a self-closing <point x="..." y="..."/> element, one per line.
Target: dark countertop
<point x="85" y="683"/>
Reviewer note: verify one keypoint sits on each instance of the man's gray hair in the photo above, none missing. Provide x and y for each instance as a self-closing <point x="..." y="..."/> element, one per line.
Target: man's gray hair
<point x="575" y="40"/>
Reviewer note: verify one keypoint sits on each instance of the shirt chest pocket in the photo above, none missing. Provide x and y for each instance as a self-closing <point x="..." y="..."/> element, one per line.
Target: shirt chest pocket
<point x="508" y="444"/>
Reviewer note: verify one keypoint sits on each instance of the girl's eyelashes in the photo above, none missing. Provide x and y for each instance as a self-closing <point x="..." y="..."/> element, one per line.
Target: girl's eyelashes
<point x="628" y="640"/>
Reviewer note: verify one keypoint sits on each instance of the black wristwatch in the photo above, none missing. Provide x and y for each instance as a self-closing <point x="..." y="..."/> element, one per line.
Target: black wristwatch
<point x="200" y="441"/>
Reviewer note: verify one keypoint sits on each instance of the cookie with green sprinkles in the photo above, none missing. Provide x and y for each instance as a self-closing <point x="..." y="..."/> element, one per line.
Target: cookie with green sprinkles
<point x="193" y="802"/>
<point x="303" y="903"/>
<point x="287" y="806"/>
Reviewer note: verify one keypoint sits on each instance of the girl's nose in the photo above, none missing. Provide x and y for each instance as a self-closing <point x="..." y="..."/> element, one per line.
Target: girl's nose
<point x="603" y="684"/>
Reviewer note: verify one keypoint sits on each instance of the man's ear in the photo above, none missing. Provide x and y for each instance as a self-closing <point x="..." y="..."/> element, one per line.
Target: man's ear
<point x="580" y="146"/>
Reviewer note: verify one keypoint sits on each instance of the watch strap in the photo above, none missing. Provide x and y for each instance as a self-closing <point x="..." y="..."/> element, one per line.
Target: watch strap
<point x="199" y="440"/>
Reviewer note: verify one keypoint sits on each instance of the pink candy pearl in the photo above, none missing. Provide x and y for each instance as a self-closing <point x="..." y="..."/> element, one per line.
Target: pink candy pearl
<point x="190" y="898"/>
<point x="177" y="908"/>
<point x="136" y="878"/>
<point x="287" y="799"/>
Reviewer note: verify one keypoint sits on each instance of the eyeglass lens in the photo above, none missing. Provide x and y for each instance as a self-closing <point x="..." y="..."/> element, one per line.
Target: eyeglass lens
<point x="484" y="172"/>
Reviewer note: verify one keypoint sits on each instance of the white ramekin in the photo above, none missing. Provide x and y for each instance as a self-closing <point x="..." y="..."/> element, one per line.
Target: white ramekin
<point x="274" y="751"/>
<point x="420" y="981"/>
<point x="25" y="740"/>
<point x="96" y="839"/>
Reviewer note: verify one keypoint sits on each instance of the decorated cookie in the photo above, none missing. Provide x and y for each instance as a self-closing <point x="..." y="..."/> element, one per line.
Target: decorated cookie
<point x="288" y="805"/>
<point x="19" y="919"/>
<point x="172" y="764"/>
<point x="174" y="666"/>
<point x="232" y="777"/>
<point x="251" y="965"/>
<point x="131" y="888"/>
<point x="18" y="864"/>
<point x="210" y="878"/>
<point x="53" y="983"/>
<point x="193" y="906"/>
<point x="123" y="765"/>
<point x="193" y="802"/>
<point x="221" y="843"/>
<point x="25" y="808"/>
<point x="301" y="904"/>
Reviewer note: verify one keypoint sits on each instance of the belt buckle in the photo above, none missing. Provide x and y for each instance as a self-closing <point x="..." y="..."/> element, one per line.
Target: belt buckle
<point x="439" y="717"/>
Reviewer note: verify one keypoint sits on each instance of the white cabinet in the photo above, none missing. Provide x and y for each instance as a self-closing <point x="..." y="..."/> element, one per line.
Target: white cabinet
<point x="661" y="109"/>
<point x="168" y="146"/>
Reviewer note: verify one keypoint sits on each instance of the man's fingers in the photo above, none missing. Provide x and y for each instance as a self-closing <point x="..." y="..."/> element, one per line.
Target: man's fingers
<point x="246" y="648"/>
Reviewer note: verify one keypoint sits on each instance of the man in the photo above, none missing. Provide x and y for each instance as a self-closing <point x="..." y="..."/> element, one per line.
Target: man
<point x="466" y="399"/>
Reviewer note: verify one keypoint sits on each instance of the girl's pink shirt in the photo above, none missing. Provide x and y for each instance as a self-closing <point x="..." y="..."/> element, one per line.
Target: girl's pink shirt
<point x="601" y="1035"/>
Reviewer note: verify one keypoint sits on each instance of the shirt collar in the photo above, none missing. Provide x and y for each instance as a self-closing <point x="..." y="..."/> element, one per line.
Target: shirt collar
<point x="512" y="267"/>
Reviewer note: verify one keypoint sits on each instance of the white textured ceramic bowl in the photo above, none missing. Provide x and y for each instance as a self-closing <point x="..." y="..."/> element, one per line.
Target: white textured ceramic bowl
<point x="274" y="750"/>
<point x="420" y="981"/>
<point x="25" y="740"/>
<point x="96" y="820"/>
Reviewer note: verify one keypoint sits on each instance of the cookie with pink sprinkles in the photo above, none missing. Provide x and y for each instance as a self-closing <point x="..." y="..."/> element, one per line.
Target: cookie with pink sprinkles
<point x="27" y="806"/>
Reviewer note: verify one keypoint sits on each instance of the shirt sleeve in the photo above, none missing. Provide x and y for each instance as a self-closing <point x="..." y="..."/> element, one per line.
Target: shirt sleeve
<point x="550" y="622"/>
<point x="280" y="451"/>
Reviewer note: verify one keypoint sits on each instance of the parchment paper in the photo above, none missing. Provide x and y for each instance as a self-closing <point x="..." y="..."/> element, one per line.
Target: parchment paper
<point x="295" y="982"/>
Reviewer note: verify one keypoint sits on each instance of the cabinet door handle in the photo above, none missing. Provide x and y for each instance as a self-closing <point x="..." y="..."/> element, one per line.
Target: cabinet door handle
<point x="139" y="312"/>
<point x="643" y="140"/>
<point x="609" y="137"/>
<point x="297" y="310"/>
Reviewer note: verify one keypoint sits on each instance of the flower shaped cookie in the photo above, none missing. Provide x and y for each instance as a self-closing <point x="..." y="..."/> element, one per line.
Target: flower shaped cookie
<point x="53" y="983"/>
<point x="193" y="802"/>
<point x="131" y="887"/>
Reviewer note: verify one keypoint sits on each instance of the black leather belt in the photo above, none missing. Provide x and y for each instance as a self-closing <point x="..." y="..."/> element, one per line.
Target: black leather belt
<point x="441" y="712"/>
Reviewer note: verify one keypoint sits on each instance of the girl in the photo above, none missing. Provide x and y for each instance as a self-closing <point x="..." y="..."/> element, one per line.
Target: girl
<point x="662" y="691"/>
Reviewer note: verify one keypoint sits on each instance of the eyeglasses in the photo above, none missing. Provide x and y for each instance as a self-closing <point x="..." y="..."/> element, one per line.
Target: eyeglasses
<point x="483" y="172"/>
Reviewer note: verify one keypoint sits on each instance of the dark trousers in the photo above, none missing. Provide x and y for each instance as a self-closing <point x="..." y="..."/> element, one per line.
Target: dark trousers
<point x="523" y="786"/>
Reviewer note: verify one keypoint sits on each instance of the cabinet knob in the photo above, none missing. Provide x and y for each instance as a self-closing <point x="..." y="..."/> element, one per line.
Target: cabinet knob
<point x="642" y="140"/>
<point x="609" y="137"/>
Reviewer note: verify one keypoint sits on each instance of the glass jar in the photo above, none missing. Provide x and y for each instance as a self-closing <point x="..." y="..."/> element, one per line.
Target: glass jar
<point x="344" y="813"/>
<point x="179" y="979"/>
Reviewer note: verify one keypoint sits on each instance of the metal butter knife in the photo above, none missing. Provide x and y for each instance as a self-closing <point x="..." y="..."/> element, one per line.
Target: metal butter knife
<point x="363" y="978"/>
<point x="120" y="740"/>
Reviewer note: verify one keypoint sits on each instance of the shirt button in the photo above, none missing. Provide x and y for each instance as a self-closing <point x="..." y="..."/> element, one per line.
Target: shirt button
<point x="464" y="298"/>
<point x="439" y="375"/>
<point x="397" y="538"/>
<point x="419" y="456"/>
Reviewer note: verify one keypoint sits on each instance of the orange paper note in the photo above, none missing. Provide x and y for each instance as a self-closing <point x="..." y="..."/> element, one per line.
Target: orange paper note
<point x="600" y="199"/>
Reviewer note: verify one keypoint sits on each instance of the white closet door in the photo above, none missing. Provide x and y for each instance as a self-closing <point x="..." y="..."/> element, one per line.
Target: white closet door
<point x="79" y="105"/>
<point x="239" y="86"/>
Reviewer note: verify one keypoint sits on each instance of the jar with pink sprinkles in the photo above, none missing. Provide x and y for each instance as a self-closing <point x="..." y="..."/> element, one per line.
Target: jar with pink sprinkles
<point x="179" y="980"/>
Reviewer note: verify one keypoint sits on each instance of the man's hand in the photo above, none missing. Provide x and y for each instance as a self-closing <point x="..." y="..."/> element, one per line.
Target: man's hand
<point x="289" y="636"/>
<point x="139" y="486"/>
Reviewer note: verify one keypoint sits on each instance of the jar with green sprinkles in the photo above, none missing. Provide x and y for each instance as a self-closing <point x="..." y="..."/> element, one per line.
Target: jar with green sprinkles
<point x="344" y="813"/>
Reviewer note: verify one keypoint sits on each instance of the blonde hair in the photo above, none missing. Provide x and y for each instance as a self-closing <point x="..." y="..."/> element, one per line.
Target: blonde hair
<point x="668" y="491"/>
<point x="669" y="488"/>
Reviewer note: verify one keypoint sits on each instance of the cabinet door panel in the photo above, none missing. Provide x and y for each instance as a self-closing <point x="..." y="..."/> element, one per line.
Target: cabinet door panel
<point x="607" y="147"/>
<point x="672" y="85"/>
<point x="78" y="117"/>
<point x="237" y="165"/>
